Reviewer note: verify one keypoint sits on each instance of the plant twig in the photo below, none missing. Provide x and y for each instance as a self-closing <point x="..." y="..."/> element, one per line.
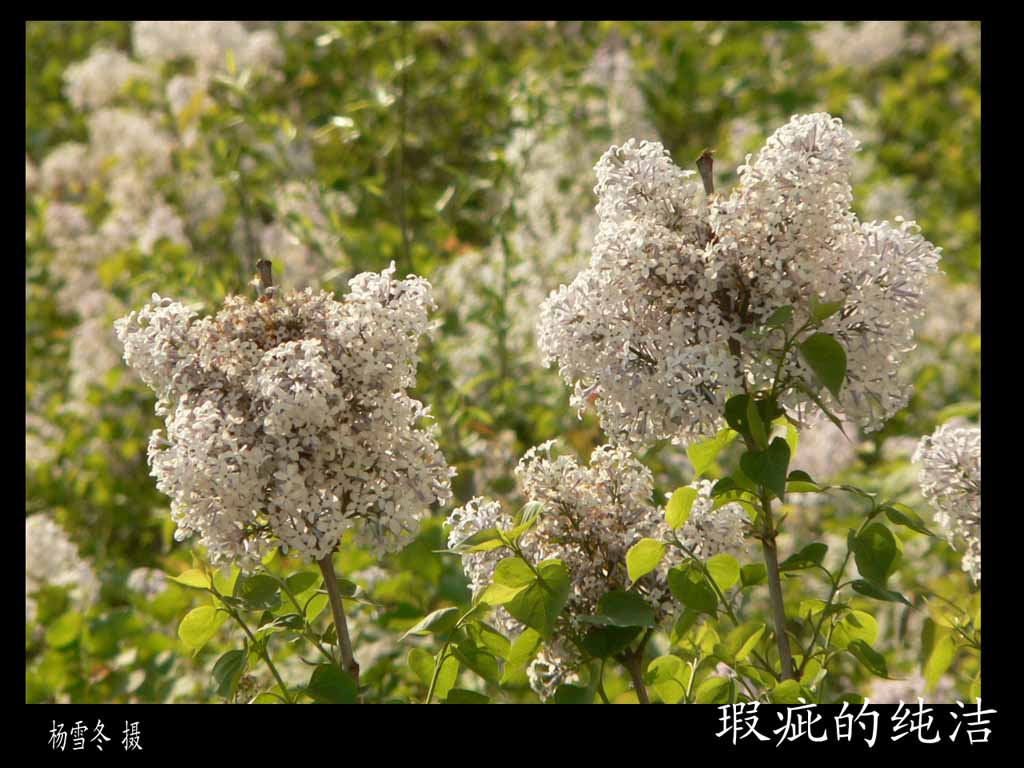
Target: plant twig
<point x="348" y="662"/>
<point x="771" y="559"/>
<point x="633" y="665"/>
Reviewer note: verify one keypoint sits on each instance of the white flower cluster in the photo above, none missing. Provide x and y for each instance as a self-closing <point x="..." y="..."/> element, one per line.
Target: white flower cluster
<point x="148" y="582"/>
<point x="862" y="45"/>
<point x="40" y="437"/>
<point x="592" y="516"/>
<point x="867" y="44"/>
<point x="51" y="559"/>
<point x="120" y="190"/>
<point x="950" y="478"/>
<point x="207" y="43"/>
<point x="99" y="79"/>
<point x="660" y="329"/>
<point x="287" y="417"/>
<point x="708" y="531"/>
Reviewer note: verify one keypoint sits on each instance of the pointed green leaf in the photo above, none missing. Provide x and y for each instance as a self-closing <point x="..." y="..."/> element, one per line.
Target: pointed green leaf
<point x="329" y="685"/>
<point x="724" y="569"/>
<point x="199" y="625"/>
<point x="678" y="510"/>
<point x="643" y="557"/>
<point x="440" y="620"/>
<point x="827" y="358"/>
<point x="703" y="455"/>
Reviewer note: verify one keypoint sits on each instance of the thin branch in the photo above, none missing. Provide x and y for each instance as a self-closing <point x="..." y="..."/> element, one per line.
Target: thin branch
<point x="348" y="662"/>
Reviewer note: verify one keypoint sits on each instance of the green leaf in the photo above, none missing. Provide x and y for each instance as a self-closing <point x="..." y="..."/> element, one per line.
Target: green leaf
<point x="855" y="625"/>
<point x="604" y="641"/>
<point x="714" y="690"/>
<point x="521" y="653"/>
<point x="678" y="510"/>
<point x="962" y="410"/>
<point x="792" y="440"/>
<point x="724" y="569"/>
<point x="440" y="620"/>
<point x="800" y="482"/>
<point x="527" y="517"/>
<point x="780" y="318"/>
<point x="689" y="587"/>
<point x="751" y="575"/>
<point x="723" y="486"/>
<point x="573" y="694"/>
<point x="736" y="413"/>
<point x="329" y="685"/>
<point x="683" y="624"/>
<point x="193" y="578"/>
<point x="315" y="606"/>
<point x="823" y="310"/>
<point x="511" y="577"/>
<point x="875" y="552"/>
<point x="643" y="557"/>
<point x="757" y="430"/>
<point x="625" y="609"/>
<point x="868" y="589"/>
<point x="481" y="541"/>
<point x="514" y="572"/>
<point x="788" y="692"/>
<point x="65" y="630"/>
<point x="461" y="696"/>
<point x="422" y="664"/>
<point x="258" y="592"/>
<point x="539" y="605"/>
<point x="901" y="514"/>
<point x="939" y="660"/>
<point x="478" y="659"/>
<point x="808" y="557"/>
<point x="488" y="637"/>
<point x="227" y="671"/>
<point x="224" y="579"/>
<point x="827" y="358"/>
<point x="768" y="468"/>
<point x="703" y="455"/>
<point x="668" y="677"/>
<point x="302" y="582"/>
<point x="199" y="625"/>
<point x="869" y="657"/>
<point x="742" y="640"/>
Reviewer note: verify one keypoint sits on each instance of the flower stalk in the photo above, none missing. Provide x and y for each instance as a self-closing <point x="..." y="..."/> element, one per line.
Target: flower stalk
<point x="348" y="662"/>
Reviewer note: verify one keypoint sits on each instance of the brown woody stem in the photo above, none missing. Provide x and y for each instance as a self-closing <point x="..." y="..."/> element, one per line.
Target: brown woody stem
<point x="348" y="662"/>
